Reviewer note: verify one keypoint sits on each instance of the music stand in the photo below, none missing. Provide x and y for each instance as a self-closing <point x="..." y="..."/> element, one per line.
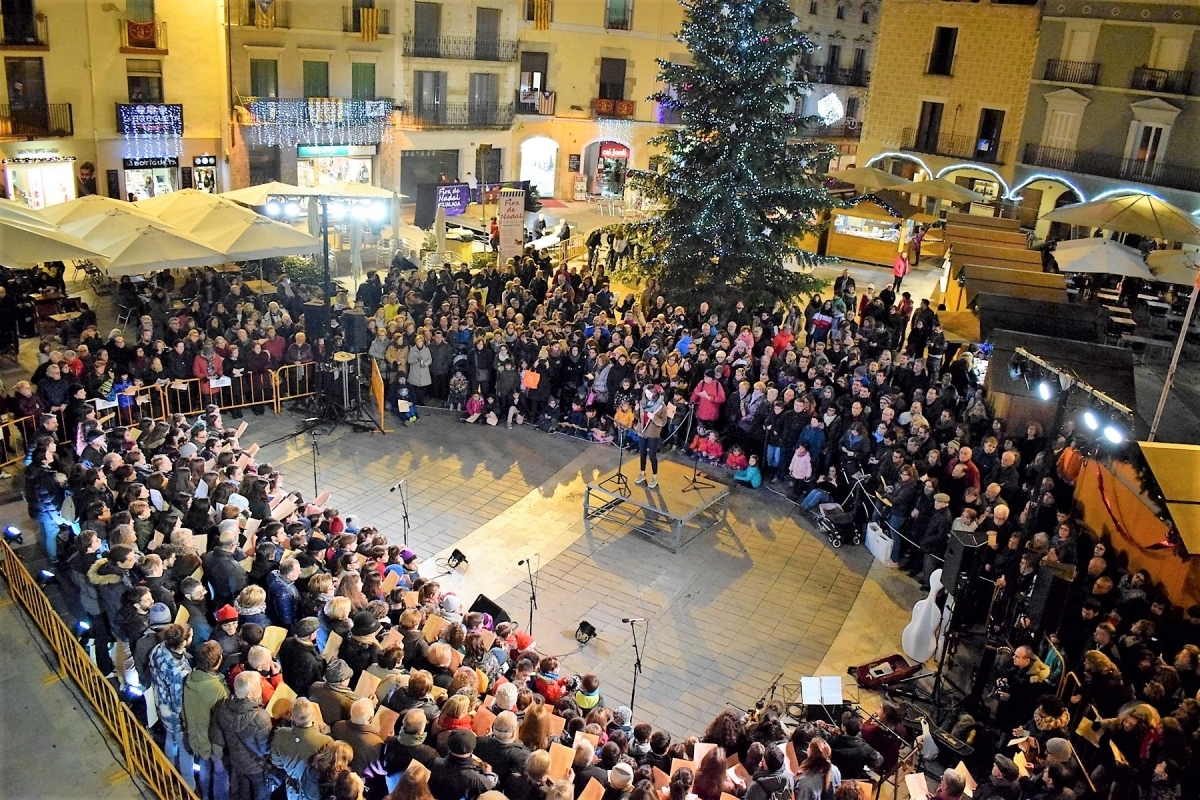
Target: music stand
<point x="823" y="691"/>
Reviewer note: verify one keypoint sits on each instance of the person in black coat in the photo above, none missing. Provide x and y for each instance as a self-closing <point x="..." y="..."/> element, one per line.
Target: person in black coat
<point x="408" y="745"/>
<point x="936" y="536"/>
<point x="299" y="661"/>
<point x="502" y="750"/>
<point x="456" y="777"/>
<point x="223" y="570"/>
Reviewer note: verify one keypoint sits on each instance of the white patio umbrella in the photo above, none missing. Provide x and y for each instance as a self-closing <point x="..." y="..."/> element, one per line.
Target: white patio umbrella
<point x="945" y="189"/>
<point x="88" y="206"/>
<point x="258" y="238"/>
<point x="211" y="218"/>
<point x="154" y="247"/>
<point x="1140" y="213"/>
<point x="356" y="190"/>
<point x="1180" y="267"/>
<point x="1102" y="256"/>
<point x="259" y="195"/>
<point x="872" y="178"/>
<point x="105" y="228"/>
<point x="24" y="246"/>
<point x="185" y="198"/>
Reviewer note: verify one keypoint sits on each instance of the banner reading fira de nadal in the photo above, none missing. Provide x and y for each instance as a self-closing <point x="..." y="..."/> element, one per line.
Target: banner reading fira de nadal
<point x="511" y="219"/>
<point x="454" y="197"/>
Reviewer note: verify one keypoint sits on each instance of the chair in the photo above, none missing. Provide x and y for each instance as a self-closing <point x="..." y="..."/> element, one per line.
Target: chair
<point x="124" y="315"/>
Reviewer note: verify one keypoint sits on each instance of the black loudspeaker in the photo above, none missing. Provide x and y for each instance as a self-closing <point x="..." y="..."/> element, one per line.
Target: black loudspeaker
<point x="354" y="328"/>
<point x="962" y="559"/>
<point x="485" y="605"/>
<point x="1048" y="597"/>
<point x="316" y="321"/>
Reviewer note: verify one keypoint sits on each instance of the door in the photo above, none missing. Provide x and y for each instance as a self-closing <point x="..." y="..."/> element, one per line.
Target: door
<point x="489" y="166"/>
<point x="1146" y="152"/>
<point x="859" y="68"/>
<point x="27" y="96"/>
<point x="356" y="16"/>
<point x="832" y="63"/>
<point x="427" y="29"/>
<point x="1062" y="128"/>
<point x="533" y="79"/>
<point x="487" y="34"/>
<point x="1078" y="45"/>
<point x="987" y="140"/>
<point x="485" y="87"/>
<point x="612" y="79"/>
<point x="362" y="80"/>
<point x="19" y="24"/>
<point x="429" y="95"/>
<point x="929" y="129"/>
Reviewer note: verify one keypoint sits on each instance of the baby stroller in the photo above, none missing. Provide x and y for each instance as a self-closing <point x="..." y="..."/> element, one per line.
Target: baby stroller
<point x="839" y="521"/>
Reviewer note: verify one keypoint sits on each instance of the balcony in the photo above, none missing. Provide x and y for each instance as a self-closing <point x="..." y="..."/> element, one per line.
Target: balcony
<point x="248" y="13"/>
<point x="456" y="115"/>
<point x="1104" y="165"/>
<point x="316" y="110"/>
<point x="843" y="129"/>
<point x="36" y="121"/>
<point x="535" y="102"/>
<point x="25" y="33"/>
<point x="614" y="109"/>
<point x="954" y="146"/>
<point x="1083" y="72"/>
<point x="833" y="76"/>
<point x="352" y="20"/>
<point x="619" y="17"/>
<point x="1161" y="80"/>
<point x="462" y="47"/>
<point x="143" y="38"/>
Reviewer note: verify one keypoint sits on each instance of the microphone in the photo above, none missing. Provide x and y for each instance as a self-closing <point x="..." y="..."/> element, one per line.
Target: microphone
<point x="398" y="484"/>
<point x="633" y="619"/>
<point x="523" y="561"/>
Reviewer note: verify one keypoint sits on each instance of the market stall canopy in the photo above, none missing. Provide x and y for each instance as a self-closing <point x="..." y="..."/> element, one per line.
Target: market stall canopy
<point x="871" y="178"/>
<point x="259" y="195"/>
<point x="1175" y="467"/>
<point x="105" y="228"/>
<point x="23" y="214"/>
<point x="186" y="198"/>
<point x="888" y="202"/>
<point x="259" y="238"/>
<point x="154" y="247"/>
<point x="1180" y="267"/>
<point x="88" y="207"/>
<point x="946" y="189"/>
<point x="24" y="246"/>
<point x="1102" y="256"/>
<point x="1143" y="214"/>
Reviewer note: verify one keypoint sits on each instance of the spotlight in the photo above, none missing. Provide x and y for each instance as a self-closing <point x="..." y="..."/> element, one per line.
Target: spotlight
<point x="357" y="212"/>
<point x="83" y="626"/>
<point x="274" y="209"/>
<point x="456" y="559"/>
<point x="1091" y="419"/>
<point x="338" y="212"/>
<point x="1045" y="391"/>
<point x="1113" y="434"/>
<point x="13" y="534"/>
<point x="378" y="212"/>
<point x="132" y="692"/>
<point x="292" y="209"/>
<point x="585" y="632"/>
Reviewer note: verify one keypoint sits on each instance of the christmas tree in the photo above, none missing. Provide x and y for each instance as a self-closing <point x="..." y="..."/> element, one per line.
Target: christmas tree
<point x="739" y="185"/>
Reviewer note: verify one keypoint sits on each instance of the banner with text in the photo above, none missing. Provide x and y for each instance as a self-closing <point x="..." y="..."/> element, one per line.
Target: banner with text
<point x="454" y="197"/>
<point x="511" y="218"/>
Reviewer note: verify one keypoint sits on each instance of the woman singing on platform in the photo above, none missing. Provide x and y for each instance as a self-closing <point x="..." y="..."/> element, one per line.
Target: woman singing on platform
<point x="652" y="416"/>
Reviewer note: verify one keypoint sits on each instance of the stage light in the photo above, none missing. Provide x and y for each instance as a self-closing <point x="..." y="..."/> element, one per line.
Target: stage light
<point x="132" y="692"/>
<point x="13" y="534"/>
<point x="274" y="209"/>
<point x="292" y="209"/>
<point x="457" y="559"/>
<point x="1045" y="391"/>
<point x="1113" y="434"/>
<point x="357" y="212"/>
<point x="1091" y="419"/>
<point x="379" y="212"/>
<point x="83" y="626"/>
<point x="585" y="632"/>
<point x="337" y="212"/>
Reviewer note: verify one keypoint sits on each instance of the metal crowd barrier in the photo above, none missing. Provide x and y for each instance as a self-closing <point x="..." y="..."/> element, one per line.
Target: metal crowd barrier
<point x="293" y="381"/>
<point x="143" y="757"/>
<point x="188" y="396"/>
<point x="13" y="436"/>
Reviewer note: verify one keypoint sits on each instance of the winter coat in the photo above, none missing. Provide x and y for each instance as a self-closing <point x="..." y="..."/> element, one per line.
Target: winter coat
<point x="419" y="362"/>
<point x="801" y="466"/>
<point x="456" y="778"/>
<point x="282" y="600"/>
<point x="506" y="758"/>
<point x="300" y="664"/>
<point x="708" y="409"/>
<point x="334" y="701"/>
<point x="291" y="750"/>
<point x="201" y="693"/>
<point x="110" y="582"/>
<point x="225" y="575"/>
<point x="765" y="784"/>
<point x="364" y="740"/>
<point x="168" y="672"/>
<point x="242" y="730"/>
<point x="442" y="357"/>
<point x="751" y="475"/>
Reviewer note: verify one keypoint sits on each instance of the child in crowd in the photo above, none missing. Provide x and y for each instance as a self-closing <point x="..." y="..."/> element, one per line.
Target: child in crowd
<point x="549" y="417"/>
<point x="750" y="475"/>
<point x="623" y="419"/>
<point x="473" y="406"/>
<point x="459" y="389"/>
<point x="736" y="459"/>
<point x="405" y="407"/>
<point x="801" y="470"/>
<point x="512" y="410"/>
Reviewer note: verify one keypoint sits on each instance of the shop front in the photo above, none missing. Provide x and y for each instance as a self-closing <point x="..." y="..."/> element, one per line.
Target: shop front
<point x="150" y="176"/>
<point x="202" y="175"/>
<point x="607" y="166"/>
<point x="321" y="165"/>
<point x="40" y="182"/>
<point x="874" y="230"/>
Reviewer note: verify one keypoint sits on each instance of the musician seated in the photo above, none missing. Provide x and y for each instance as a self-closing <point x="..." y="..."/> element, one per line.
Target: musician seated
<point x="886" y="734"/>
<point x="851" y="753"/>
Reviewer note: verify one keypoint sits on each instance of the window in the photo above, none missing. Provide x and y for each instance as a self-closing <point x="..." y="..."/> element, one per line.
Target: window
<point x="485" y="97"/>
<point x="833" y="59"/>
<point x="987" y="141"/>
<point x="140" y="10"/>
<point x="941" y="58"/>
<point x="427" y="29"/>
<point x="20" y="25"/>
<point x="1062" y="130"/>
<point x="534" y="67"/>
<point x="618" y="15"/>
<point x="316" y="79"/>
<point x="852" y="108"/>
<point x="429" y="95"/>
<point x="612" y="79"/>
<point x="264" y="77"/>
<point x="356" y="16"/>
<point x="866" y="17"/>
<point x="531" y="9"/>
<point x="860" y="61"/>
<point x="362" y="80"/>
<point x="930" y="127"/>
<point x="487" y="34"/>
<point x="144" y="76"/>
<point x="812" y="7"/>
<point x="841" y="12"/>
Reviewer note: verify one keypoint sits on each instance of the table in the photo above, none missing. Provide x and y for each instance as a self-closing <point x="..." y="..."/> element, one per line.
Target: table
<point x="66" y="316"/>
<point x="1119" y="310"/>
<point x="1124" y="321"/>
<point x="260" y="287"/>
<point x="228" y="269"/>
<point x="1159" y="304"/>
<point x="1108" y="294"/>
<point x="1148" y="297"/>
<point x="1163" y="345"/>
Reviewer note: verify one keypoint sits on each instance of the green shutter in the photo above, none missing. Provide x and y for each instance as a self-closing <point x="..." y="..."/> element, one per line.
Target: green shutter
<point x="264" y="77"/>
<point x="316" y="79"/>
<point x="362" y="80"/>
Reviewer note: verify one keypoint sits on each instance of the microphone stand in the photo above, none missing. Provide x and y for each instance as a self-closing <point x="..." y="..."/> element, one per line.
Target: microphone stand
<point x="403" y="487"/>
<point x="315" y="453"/>
<point x="637" y="664"/>
<point x="532" y="594"/>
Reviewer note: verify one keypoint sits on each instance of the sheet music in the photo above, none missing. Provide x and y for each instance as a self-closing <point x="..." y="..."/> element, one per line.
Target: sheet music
<point x="821" y="691"/>
<point x="810" y="691"/>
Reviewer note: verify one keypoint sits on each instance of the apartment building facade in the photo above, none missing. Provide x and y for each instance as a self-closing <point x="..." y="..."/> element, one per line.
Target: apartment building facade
<point x="948" y="90"/>
<point x="1114" y="104"/>
<point x="136" y="88"/>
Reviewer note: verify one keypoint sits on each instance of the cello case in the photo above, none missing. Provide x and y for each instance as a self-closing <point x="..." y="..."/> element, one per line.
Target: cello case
<point x="920" y="636"/>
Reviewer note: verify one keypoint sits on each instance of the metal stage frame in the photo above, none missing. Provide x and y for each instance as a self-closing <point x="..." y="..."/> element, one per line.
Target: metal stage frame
<point x="664" y="514"/>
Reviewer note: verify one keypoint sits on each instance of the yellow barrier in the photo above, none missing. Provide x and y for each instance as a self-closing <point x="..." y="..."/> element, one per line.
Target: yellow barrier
<point x="143" y="757"/>
<point x="188" y="396"/>
<point x="13" y="436"/>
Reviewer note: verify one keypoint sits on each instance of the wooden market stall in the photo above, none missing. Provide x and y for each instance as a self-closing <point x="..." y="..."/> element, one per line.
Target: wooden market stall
<point x="874" y="228"/>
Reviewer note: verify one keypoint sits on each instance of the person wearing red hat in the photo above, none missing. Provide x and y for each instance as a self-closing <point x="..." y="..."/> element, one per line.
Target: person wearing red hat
<point x="225" y="634"/>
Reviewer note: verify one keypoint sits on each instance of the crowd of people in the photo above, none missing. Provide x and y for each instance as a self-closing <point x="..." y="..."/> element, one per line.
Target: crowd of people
<point x="148" y="519"/>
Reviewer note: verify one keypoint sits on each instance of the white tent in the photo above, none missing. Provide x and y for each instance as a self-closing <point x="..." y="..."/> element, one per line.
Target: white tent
<point x="24" y="246"/>
<point x="259" y="195"/>
<point x="154" y="247"/>
<point x="258" y="238"/>
<point x="1101" y="256"/>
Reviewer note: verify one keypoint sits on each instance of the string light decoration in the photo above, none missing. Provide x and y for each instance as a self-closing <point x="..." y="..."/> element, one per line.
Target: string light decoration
<point x="616" y="130"/>
<point x="870" y="198"/>
<point x="151" y="130"/>
<point x="318" y="120"/>
<point x="741" y="183"/>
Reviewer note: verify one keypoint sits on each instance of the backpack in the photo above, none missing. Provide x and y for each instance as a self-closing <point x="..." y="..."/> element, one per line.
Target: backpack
<point x="782" y="793"/>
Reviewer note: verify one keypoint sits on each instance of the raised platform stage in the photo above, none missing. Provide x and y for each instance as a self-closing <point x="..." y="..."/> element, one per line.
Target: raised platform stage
<point x="664" y="514"/>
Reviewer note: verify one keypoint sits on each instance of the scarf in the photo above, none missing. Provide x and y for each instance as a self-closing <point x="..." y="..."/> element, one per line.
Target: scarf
<point x="457" y="724"/>
<point x="410" y="739"/>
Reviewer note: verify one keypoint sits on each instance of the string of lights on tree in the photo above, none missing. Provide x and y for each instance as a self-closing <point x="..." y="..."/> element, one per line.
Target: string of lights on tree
<point x="741" y="183"/>
<point x="318" y="120"/>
